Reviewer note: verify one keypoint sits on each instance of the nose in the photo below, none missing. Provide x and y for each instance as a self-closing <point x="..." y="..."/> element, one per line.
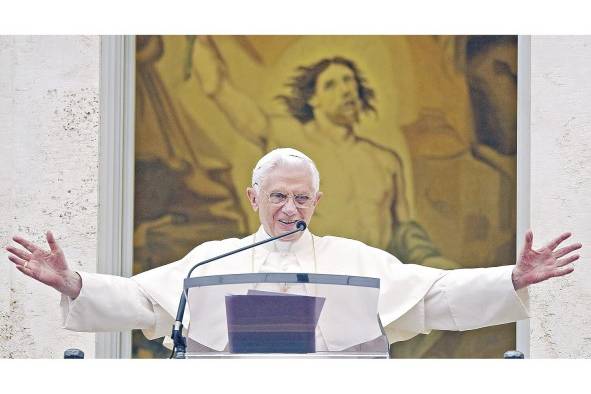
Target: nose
<point x="345" y="91"/>
<point x="289" y="207"/>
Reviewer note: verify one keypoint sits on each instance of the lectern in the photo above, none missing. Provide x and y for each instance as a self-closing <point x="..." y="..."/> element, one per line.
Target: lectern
<point x="285" y="315"/>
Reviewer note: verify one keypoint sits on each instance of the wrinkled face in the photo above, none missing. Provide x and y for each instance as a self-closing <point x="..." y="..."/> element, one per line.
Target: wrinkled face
<point x="287" y="180"/>
<point x="337" y="96"/>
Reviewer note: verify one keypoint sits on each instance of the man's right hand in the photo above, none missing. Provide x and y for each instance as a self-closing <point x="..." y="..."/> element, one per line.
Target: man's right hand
<point x="48" y="267"/>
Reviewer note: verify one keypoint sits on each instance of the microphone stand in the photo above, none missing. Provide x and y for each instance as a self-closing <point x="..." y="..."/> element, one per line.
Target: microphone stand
<point x="180" y="344"/>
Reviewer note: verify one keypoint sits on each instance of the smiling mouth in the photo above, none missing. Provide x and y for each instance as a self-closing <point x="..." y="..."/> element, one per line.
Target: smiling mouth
<point x="287" y="221"/>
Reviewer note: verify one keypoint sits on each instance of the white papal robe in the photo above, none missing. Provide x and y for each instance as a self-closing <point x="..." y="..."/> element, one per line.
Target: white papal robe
<point x="413" y="299"/>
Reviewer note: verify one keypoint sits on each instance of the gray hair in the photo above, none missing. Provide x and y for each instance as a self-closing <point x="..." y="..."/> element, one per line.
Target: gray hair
<point x="282" y="156"/>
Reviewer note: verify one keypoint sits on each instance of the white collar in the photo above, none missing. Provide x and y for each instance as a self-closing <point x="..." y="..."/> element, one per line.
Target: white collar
<point x="302" y="248"/>
<point x="302" y="244"/>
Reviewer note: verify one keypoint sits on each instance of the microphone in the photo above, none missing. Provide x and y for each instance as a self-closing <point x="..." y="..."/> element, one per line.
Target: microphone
<point x="301" y="225"/>
<point x="180" y="345"/>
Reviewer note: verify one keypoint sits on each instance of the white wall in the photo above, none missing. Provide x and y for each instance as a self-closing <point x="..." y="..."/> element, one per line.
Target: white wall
<point x="49" y="122"/>
<point x="561" y="190"/>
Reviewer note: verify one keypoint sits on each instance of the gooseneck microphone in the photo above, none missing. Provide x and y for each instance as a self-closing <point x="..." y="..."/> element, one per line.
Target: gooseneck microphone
<point x="180" y="344"/>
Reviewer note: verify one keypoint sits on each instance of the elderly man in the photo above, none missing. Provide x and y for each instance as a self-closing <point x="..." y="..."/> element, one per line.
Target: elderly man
<point x="285" y="189"/>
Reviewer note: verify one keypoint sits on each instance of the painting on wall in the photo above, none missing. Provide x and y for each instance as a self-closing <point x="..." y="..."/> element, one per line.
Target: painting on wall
<point x="414" y="138"/>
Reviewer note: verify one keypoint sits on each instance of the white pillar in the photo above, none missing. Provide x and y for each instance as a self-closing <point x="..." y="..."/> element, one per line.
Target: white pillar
<point x="561" y="190"/>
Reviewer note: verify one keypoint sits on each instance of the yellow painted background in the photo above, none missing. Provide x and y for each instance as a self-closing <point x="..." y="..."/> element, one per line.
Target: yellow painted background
<point x="445" y="107"/>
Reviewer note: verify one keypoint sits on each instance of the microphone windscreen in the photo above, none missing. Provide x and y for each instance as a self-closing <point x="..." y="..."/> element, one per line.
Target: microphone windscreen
<point x="301" y="225"/>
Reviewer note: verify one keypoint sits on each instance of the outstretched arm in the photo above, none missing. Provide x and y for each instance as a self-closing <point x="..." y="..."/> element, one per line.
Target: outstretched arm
<point x="466" y="299"/>
<point x="104" y="303"/>
<point x="241" y="110"/>
<point x="48" y="267"/>
<point x="534" y="266"/>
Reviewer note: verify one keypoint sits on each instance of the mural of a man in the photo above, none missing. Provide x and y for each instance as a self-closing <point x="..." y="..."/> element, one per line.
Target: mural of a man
<point x="492" y="77"/>
<point x="236" y="97"/>
<point x="367" y="192"/>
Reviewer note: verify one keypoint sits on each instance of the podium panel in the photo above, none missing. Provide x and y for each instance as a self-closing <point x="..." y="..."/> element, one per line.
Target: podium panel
<point x="284" y="315"/>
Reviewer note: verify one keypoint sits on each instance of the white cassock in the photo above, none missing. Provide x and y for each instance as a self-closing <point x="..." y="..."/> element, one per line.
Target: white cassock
<point x="413" y="299"/>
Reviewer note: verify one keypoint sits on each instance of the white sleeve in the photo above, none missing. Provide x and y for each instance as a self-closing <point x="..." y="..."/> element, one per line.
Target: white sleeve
<point x="466" y="299"/>
<point x="108" y="303"/>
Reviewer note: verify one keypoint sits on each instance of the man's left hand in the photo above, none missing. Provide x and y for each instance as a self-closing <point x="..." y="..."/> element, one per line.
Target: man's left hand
<point x="536" y="266"/>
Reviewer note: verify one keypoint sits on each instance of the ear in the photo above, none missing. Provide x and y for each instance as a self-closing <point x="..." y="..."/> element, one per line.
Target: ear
<point x="253" y="198"/>
<point x="318" y="197"/>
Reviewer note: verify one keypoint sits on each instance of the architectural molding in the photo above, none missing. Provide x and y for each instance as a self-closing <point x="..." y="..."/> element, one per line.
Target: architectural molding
<point x="523" y="164"/>
<point x="116" y="174"/>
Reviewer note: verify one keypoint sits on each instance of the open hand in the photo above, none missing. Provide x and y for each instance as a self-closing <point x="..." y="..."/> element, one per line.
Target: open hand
<point x="48" y="267"/>
<point x="535" y="266"/>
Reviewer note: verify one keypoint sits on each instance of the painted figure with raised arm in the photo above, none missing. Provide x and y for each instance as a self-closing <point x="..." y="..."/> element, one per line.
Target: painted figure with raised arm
<point x="285" y="189"/>
<point x="325" y="109"/>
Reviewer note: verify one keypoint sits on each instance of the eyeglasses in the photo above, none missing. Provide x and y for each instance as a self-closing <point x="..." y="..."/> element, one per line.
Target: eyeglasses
<point x="300" y="200"/>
